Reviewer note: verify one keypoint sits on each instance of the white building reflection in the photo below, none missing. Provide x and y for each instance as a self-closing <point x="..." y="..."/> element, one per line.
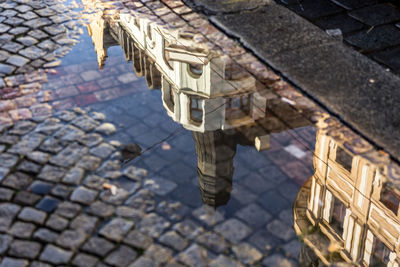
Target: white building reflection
<point x="203" y="90"/>
<point x="351" y="201"/>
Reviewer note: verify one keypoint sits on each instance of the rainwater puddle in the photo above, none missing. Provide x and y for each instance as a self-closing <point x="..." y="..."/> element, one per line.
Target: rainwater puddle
<point x="149" y="143"/>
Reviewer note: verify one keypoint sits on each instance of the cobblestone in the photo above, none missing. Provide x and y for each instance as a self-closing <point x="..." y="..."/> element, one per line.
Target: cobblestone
<point x="84" y="260"/>
<point x="55" y="255"/>
<point x="56" y="222"/>
<point x="5" y="241"/>
<point x="71" y="239"/>
<point x="83" y="195"/>
<point x="45" y="235"/>
<point x="98" y="246"/>
<point x="32" y="215"/>
<point x="173" y="240"/>
<point x="116" y="229"/>
<point x="121" y="256"/>
<point x="158" y="253"/>
<point x="153" y="225"/>
<point x="22" y="230"/>
<point x="12" y="262"/>
<point x="84" y="223"/>
<point x="194" y="256"/>
<point x="138" y="240"/>
<point x="24" y="249"/>
<point x="233" y="230"/>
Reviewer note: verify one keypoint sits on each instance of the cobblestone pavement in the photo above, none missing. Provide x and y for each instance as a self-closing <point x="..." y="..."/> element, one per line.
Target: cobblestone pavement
<point x="34" y="34"/>
<point x="55" y="209"/>
<point x="371" y="27"/>
<point x="67" y="198"/>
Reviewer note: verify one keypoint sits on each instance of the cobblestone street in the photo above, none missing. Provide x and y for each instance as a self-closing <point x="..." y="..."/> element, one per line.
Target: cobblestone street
<point x="68" y="198"/>
<point x="136" y="133"/>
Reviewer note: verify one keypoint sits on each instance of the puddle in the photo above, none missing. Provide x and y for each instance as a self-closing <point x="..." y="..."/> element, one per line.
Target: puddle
<point x="181" y="152"/>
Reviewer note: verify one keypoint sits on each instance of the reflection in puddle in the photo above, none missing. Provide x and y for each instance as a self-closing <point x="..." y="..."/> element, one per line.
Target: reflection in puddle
<point x="208" y="131"/>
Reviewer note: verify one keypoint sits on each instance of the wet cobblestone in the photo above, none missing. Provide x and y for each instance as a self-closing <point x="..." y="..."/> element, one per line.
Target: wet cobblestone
<point x="66" y="209"/>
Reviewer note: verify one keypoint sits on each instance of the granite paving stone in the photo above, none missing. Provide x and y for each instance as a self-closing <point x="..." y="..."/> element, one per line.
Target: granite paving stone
<point x="233" y="230"/>
<point x="223" y="260"/>
<point x="213" y="241"/>
<point x="159" y="186"/>
<point x="29" y="167"/>
<point x="158" y="253"/>
<point x="94" y="182"/>
<point x="17" y="60"/>
<point x="101" y="209"/>
<point x="247" y="254"/>
<point x="39" y="157"/>
<point x="24" y="249"/>
<point x="84" y="260"/>
<point x="379" y="37"/>
<point x="22" y="230"/>
<point x="208" y="215"/>
<point x="28" y="15"/>
<point x="45" y="235"/>
<point x="144" y="262"/>
<point x="138" y="240"/>
<point x="116" y="229"/>
<point x="56" y="222"/>
<point x="51" y="173"/>
<point x="32" y="215"/>
<point x="188" y="228"/>
<point x="278" y="260"/>
<point x="6" y="194"/>
<point x="173" y="240"/>
<point x="84" y="223"/>
<point x="115" y="199"/>
<point x="71" y="239"/>
<point x="5" y="241"/>
<point x="281" y="230"/>
<point x="39" y="264"/>
<point x="374" y="15"/>
<point x="153" y="225"/>
<point x="253" y="215"/>
<point x="122" y="256"/>
<point x="83" y="195"/>
<point x="26" y="198"/>
<point x="7" y="213"/>
<point x="13" y="262"/>
<point x="89" y="163"/>
<point x="55" y="255"/>
<point x="102" y="151"/>
<point x="18" y="30"/>
<point x="74" y="176"/>
<point x="194" y="255"/>
<point x="98" y="246"/>
<point x="6" y="69"/>
<point x="68" y="209"/>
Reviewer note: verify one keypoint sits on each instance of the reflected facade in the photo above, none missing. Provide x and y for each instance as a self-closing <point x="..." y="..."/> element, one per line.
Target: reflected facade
<point x="203" y="90"/>
<point x="348" y="210"/>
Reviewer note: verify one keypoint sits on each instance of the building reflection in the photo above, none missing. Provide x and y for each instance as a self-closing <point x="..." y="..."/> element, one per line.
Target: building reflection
<point x="349" y="209"/>
<point x="203" y="90"/>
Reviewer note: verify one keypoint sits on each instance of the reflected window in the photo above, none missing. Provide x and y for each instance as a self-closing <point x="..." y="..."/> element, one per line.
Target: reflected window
<point x="344" y="158"/>
<point x="390" y="199"/>
<point x="195" y="70"/>
<point x="196" y="110"/>
<point x="167" y="60"/>
<point x="137" y="23"/>
<point x="149" y="33"/>
<point x="380" y="254"/>
<point x="169" y="95"/>
<point x="338" y="214"/>
<point x="237" y="107"/>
